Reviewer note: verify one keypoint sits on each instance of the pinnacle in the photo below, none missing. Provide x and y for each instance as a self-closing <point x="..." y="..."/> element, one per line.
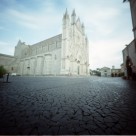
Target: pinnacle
<point x="73" y="13"/>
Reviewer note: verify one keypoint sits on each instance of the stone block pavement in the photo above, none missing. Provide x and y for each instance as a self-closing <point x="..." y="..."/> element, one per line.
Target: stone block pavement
<point x="67" y="105"/>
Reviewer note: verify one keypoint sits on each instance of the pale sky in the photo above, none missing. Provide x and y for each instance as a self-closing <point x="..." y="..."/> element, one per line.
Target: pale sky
<point x="107" y="24"/>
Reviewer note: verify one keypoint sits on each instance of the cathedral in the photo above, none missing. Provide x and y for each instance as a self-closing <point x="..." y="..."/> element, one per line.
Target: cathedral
<point x="63" y="54"/>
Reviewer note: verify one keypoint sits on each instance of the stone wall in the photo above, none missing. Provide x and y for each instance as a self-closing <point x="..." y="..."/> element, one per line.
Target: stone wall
<point x="133" y="13"/>
<point x="42" y="58"/>
<point x="42" y="64"/>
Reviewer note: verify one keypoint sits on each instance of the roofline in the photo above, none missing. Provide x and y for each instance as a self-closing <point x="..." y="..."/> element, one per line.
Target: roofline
<point x="129" y="44"/>
<point x="6" y="55"/>
<point x="46" y="40"/>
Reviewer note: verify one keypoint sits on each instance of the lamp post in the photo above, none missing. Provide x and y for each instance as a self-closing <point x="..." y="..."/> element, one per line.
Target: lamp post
<point x="127" y="50"/>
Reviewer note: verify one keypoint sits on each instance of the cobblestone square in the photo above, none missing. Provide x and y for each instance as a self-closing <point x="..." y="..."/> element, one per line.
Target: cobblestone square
<point x="67" y="105"/>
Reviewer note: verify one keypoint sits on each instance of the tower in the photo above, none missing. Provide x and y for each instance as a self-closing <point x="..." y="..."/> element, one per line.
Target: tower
<point x="65" y="44"/>
<point x="19" y="49"/>
<point x="73" y="17"/>
<point x="74" y="47"/>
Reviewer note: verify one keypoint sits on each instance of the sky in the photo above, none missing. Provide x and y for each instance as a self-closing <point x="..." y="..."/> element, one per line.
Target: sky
<point x="108" y="25"/>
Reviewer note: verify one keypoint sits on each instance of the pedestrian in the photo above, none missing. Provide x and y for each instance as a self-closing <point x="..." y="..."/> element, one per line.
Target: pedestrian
<point x="129" y="67"/>
<point x="134" y="72"/>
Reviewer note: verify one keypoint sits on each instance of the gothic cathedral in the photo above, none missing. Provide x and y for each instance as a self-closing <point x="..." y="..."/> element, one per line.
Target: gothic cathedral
<point x="63" y="54"/>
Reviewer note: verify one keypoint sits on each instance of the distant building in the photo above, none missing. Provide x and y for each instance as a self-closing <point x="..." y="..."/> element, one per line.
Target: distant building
<point x="130" y="49"/>
<point x="115" y="72"/>
<point x="105" y="71"/>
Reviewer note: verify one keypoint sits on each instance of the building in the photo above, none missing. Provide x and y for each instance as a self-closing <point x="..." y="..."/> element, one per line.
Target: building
<point x="122" y="68"/>
<point x="63" y="54"/>
<point x="8" y="62"/>
<point x="115" y="72"/>
<point x="105" y="71"/>
<point x="130" y="49"/>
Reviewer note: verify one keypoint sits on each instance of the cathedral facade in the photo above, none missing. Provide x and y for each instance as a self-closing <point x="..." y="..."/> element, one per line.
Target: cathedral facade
<point x="63" y="54"/>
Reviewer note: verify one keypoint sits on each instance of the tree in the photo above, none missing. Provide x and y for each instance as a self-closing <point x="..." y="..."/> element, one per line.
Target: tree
<point x="97" y="73"/>
<point x="2" y="71"/>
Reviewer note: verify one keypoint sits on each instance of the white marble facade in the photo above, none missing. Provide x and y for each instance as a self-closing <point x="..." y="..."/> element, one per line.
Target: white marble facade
<point x="64" y="54"/>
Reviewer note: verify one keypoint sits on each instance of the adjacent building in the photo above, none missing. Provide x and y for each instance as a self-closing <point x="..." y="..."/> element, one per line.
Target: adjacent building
<point x="122" y="68"/>
<point x="8" y="62"/>
<point x="64" y="54"/>
<point x="130" y="49"/>
<point x="109" y="72"/>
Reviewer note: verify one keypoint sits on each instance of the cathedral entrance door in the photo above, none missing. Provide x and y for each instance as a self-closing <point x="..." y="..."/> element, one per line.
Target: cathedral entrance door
<point x="26" y="65"/>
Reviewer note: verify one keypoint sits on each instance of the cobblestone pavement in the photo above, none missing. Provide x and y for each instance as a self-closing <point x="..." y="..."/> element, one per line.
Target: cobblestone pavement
<point x="67" y="105"/>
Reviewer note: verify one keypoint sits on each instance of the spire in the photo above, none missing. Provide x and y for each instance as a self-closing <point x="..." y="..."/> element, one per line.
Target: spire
<point x="19" y="42"/>
<point x="83" y="28"/>
<point x="66" y="14"/>
<point x="83" y="25"/>
<point x="78" y="19"/>
<point x="66" y="19"/>
<point x="73" y="17"/>
<point x="73" y="13"/>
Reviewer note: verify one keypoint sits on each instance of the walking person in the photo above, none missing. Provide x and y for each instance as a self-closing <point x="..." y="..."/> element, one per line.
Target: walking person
<point x="129" y="67"/>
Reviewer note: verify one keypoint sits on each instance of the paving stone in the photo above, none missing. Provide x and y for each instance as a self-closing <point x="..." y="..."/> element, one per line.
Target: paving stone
<point x="109" y="131"/>
<point x="116" y="131"/>
<point x="67" y="105"/>
<point x="63" y="130"/>
<point x="123" y="124"/>
<point x="9" y="131"/>
<point x="108" y="119"/>
<point x="89" y="126"/>
<point x="99" y="131"/>
<point x="85" y="132"/>
<point x="26" y="131"/>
